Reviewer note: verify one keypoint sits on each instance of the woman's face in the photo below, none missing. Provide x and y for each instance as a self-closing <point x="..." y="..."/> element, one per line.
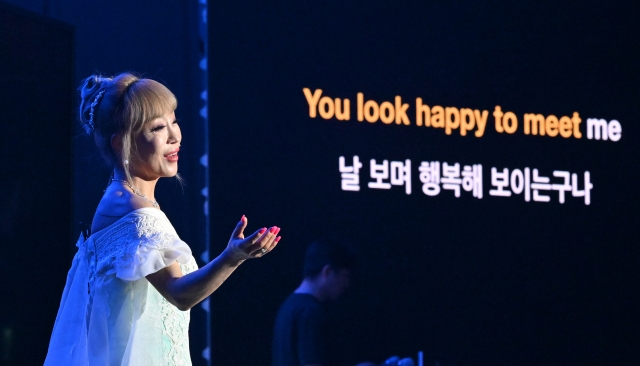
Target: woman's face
<point x="158" y="146"/>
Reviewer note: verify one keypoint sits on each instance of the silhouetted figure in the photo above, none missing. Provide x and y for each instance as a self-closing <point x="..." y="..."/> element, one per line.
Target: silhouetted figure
<point x="301" y="334"/>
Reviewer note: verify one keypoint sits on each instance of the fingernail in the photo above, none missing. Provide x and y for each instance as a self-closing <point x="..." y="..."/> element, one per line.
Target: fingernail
<point x="242" y="218"/>
<point x="277" y="230"/>
<point x="272" y="230"/>
<point x="277" y="239"/>
<point x="262" y="230"/>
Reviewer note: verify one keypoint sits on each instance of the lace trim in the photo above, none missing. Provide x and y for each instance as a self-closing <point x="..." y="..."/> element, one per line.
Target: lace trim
<point x="175" y="326"/>
<point x="119" y="246"/>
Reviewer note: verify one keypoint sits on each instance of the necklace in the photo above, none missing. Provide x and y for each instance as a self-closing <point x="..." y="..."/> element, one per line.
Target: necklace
<point x="137" y="192"/>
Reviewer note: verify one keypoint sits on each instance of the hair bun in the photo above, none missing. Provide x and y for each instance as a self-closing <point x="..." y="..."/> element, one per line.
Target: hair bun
<point x="89" y="91"/>
<point x="90" y="85"/>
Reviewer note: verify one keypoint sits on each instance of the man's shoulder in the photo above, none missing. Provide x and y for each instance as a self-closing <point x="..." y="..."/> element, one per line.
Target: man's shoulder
<point x="303" y="299"/>
<point x="298" y="303"/>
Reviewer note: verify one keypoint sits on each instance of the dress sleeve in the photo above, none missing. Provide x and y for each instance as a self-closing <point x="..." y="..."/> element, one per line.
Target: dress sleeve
<point x="150" y="247"/>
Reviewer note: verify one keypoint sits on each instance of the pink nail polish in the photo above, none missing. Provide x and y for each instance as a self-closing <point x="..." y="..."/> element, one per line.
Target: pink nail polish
<point x="272" y="230"/>
<point x="262" y="230"/>
<point x="277" y="230"/>
<point x="277" y="239"/>
<point x="242" y="218"/>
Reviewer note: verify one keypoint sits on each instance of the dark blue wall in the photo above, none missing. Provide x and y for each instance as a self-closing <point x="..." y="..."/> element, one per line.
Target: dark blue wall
<point x="491" y="281"/>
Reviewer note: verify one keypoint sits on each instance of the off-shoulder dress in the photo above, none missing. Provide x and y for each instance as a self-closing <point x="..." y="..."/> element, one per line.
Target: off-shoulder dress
<point x="109" y="313"/>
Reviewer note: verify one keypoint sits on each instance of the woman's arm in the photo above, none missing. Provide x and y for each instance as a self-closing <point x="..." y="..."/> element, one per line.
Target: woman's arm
<point x="186" y="291"/>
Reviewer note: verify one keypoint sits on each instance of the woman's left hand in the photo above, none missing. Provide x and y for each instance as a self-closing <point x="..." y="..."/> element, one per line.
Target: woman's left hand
<point x="255" y="245"/>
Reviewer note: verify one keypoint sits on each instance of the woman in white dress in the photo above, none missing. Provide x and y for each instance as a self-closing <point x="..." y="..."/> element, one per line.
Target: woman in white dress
<point x="133" y="281"/>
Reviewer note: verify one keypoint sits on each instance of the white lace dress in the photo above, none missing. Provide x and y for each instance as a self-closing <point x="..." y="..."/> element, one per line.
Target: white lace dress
<point x="110" y="314"/>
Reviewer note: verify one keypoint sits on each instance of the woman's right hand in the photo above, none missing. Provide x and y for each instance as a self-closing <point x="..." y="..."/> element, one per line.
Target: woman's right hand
<point x="186" y="291"/>
<point x="255" y="245"/>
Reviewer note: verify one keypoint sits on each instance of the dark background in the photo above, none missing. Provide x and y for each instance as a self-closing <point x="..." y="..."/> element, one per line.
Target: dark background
<point x="493" y="281"/>
<point x="467" y="281"/>
<point x="34" y="232"/>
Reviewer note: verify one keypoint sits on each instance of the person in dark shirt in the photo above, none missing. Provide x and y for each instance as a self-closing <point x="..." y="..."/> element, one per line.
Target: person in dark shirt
<point x="301" y="334"/>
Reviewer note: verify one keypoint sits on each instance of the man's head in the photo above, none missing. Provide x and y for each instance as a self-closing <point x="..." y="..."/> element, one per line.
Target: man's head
<point x="328" y="263"/>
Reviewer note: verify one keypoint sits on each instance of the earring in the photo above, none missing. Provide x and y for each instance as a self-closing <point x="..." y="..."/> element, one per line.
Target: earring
<point x="126" y="162"/>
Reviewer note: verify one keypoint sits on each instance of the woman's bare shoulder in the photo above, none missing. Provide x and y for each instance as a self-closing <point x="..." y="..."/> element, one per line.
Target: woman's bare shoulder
<point x="115" y="204"/>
